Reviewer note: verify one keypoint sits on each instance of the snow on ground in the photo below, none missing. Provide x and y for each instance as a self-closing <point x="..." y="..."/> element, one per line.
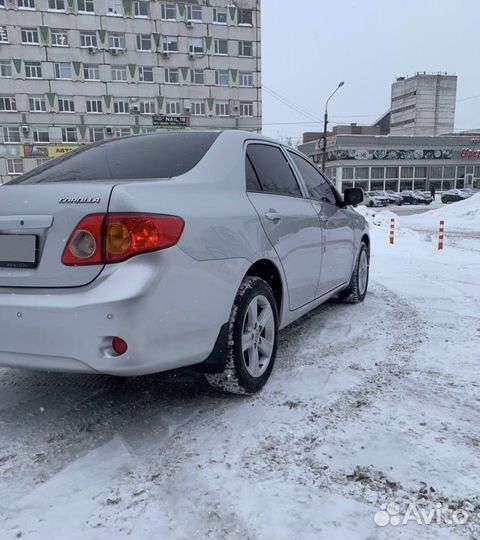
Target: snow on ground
<point x="369" y="404"/>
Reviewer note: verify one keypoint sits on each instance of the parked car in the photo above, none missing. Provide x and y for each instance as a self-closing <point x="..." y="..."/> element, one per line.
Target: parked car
<point x="415" y="197"/>
<point x="393" y="198"/>
<point x="149" y="253"/>
<point x="371" y="199"/>
<point x="455" y="195"/>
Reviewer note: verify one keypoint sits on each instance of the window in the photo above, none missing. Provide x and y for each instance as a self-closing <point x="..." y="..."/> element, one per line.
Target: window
<point x="253" y="183"/>
<point x="194" y="13"/>
<point x="115" y="7"/>
<point x="317" y="186"/>
<point x="420" y="172"/>
<point x="116" y="40"/>
<point x="91" y="72"/>
<point x="449" y="172"/>
<point x="220" y="15"/>
<point x="170" y="44"/>
<point x="56" y="5"/>
<point x="29" y="36"/>
<point x="347" y="173"/>
<point x="59" y="38"/>
<point x="220" y="46"/>
<point x="141" y="9"/>
<point x="7" y="104"/>
<point x="37" y="104"/>
<point x="245" y="48"/>
<point x="170" y="155"/>
<point x="169" y="12"/>
<point x="222" y="77"/>
<point x="145" y="74"/>
<point x="2" y="4"/>
<point x="147" y="106"/>
<point x="361" y="173"/>
<point x="121" y="106"/>
<point x="119" y="73"/>
<point x="66" y="104"/>
<point x="222" y="108"/>
<point x="273" y="170"/>
<point x="41" y="135"/>
<point x="171" y="76"/>
<point x="246" y="79"/>
<point x="3" y="34"/>
<point x="86" y="6"/>
<point x="69" y="135"/>
<point x="94" y="105"/>
<point x="406" y="172"/>
<point x="26" y="4"/>
<point x="96" y="134"/>
<point x="377" y="173"/>
<point x="436" y="173"/>
<point x="246" y="108"/>
<point x="14" y="166"/>
<point x="33" y="70"/>
<point x="11" y="134"/>
<point x="195" y="45"/>
<point x="63" y="70"/>
<point x="245" y="17"/>
<point x="88" y="39"/>
<point x="391" y="172"/>
<point x="197" y="76"/>
<point x="122" y="132"/>
<point x="144" y="42"/>
<point x="198" y="108"/>
<point x="172" y="108"/>
<point x="5" y="68"/>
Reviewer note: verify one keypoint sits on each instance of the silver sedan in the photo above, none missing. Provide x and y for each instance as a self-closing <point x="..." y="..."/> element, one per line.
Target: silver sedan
<point x="149" y="253"/>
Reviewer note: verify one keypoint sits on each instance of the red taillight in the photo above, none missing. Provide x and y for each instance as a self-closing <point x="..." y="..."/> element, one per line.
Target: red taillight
<point x="112" y="238"/>
<point x="119" y="345"/>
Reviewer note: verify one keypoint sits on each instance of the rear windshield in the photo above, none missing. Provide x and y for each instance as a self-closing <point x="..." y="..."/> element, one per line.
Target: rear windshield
<point x="159" y="155"/>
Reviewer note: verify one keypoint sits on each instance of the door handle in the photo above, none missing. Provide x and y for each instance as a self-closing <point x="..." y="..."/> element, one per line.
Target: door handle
<point x="273" y="216"/>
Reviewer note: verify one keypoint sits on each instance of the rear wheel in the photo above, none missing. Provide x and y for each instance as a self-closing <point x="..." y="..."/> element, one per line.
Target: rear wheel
<point x="252" y="340"/>
<point x="357" y="288"/>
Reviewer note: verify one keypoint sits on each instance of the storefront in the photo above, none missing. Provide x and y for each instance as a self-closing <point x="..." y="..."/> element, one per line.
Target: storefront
<point x="400" y="163"/>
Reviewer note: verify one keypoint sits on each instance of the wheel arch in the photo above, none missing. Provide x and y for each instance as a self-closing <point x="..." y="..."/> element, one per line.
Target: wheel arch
<point x="269" y="272"/>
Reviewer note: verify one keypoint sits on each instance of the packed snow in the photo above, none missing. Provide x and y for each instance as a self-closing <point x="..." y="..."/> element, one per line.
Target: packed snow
<point x="370" y="405"/>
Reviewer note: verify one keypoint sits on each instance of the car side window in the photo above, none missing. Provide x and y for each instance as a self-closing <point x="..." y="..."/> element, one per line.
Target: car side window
<point x="251" y="176"/>
<point x="273" y="170"/>
<point x="318" y="188"/>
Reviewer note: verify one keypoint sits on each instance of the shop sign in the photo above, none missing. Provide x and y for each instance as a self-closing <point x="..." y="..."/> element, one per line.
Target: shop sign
<point x="56" y="151"/>
<point x="364" y="154"/>
<point x="168" y="121"/>
<point x="468" y="153"/>
<point x="8" y="150"/>
<point x="31" y="151"/>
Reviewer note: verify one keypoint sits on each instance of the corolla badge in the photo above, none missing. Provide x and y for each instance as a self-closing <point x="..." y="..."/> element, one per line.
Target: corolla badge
<point x="79" y="200"/>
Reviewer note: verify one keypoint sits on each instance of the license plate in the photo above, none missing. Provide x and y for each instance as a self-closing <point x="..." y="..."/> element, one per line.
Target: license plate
<point x="18" y="251"/>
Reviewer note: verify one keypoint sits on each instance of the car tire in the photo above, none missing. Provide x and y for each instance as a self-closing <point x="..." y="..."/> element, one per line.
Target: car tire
<point x="254" y="320"/>
<point x="371" y="204"/>
<point x="358" y="286"/>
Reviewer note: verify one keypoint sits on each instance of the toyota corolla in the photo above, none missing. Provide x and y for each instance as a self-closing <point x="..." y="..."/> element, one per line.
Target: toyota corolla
<point x="149" y="253"/>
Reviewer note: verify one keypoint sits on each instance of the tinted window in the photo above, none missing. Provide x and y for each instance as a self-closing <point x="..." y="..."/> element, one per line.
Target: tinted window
<point x="273" y="170"/>
<point x="252" y="181"/>
<point x="318" y="188"/>
<point x="160" y="155"/>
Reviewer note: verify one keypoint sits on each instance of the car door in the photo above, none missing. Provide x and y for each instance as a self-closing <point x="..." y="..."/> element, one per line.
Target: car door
<point x="287" y="217"/>
<point x="337" y="226"/>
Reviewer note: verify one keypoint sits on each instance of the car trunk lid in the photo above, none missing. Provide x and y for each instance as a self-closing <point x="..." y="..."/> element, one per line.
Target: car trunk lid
<point x="36" y="222"/>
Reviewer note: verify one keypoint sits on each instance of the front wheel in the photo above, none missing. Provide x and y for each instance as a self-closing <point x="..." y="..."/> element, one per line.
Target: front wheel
<point x="357" y="288"/>
<point x="252" y="340"/>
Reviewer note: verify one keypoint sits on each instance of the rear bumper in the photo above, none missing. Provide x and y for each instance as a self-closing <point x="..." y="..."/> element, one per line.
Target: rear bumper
<point x="168" y="307"/>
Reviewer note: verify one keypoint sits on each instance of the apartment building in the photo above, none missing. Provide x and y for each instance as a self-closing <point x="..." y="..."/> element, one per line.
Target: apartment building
<point x="79" y="71"/>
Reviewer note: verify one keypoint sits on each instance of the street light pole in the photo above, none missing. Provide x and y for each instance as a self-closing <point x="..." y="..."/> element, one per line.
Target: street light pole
<point x="325" y="127"/>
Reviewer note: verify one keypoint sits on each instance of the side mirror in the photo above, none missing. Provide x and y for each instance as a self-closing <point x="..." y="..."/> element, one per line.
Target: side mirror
<point x="352" y="196"/>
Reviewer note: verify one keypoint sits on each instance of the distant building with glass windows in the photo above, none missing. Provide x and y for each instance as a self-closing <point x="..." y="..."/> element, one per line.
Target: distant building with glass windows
<point x="78" y="71"/>
<point x="399" y="163"/>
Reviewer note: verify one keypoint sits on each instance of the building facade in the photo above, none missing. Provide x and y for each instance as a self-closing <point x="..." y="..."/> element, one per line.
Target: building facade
<point x="79" y="71"/>
<point x="399" y="163"/>
<point x="423" y="105"/>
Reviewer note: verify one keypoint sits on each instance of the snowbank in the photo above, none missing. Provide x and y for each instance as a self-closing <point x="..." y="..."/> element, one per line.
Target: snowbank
<point x="462" y="216"/>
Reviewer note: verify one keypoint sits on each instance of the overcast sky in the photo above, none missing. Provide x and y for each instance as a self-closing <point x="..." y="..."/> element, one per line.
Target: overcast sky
<point x="310" y="45"/>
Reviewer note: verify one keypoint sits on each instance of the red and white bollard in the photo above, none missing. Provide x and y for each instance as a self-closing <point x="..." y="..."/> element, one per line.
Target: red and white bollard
<point x="392" y="231"/>
<point x="441" y="235"/>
